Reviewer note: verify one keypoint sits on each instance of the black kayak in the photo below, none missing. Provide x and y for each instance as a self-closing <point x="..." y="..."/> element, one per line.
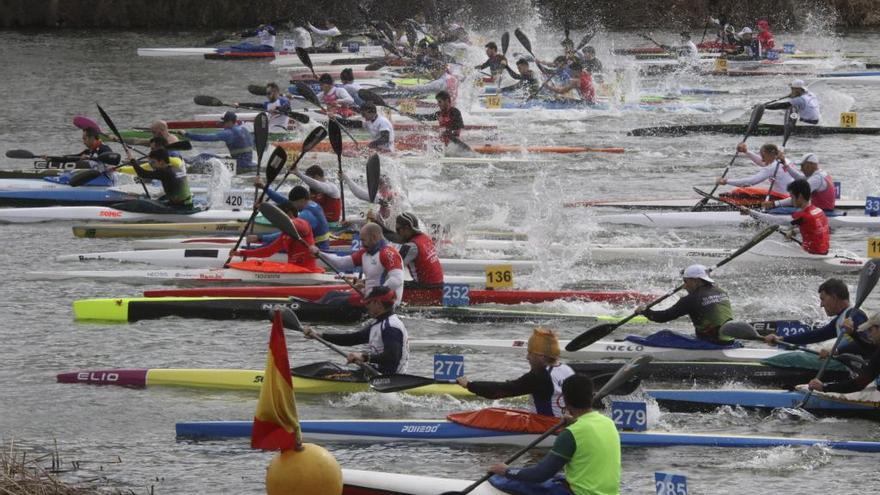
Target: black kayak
<point x="740" y="129"/>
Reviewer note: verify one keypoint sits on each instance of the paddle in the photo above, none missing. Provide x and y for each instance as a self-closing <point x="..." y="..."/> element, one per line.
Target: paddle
<point x="112" y="126"/>
<point x="305" y="59"/>
<point x="505" y="42"/>
<point x="257" y="90"/>
<point x="627" y="371"/>
<point x="868" y="278"/>
<point x="273" y="168"/>
<point x="261" y="140"/>
<point x="599" y="331"/>
<point x="525" y="42"/>
<point x="374" y="173"/>
<point x="27" y="155"/>
<point x="182" y="145"/>
<point x="588" y="37"/>
<point x="375" y="99"/>
<point x="787" y="130"/>
<point x="283" y="223"/>
<point x="291" y="321"/>
<point x="306" y="92"/>
<point x="757" y="113"/>
<point x="665" y="48"/>
<point x="210" y="101"/>
<point x="335" y="133"/>
<point x="749" y="333"/>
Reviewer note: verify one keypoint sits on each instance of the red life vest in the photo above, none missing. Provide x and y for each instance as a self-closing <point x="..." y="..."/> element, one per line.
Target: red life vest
<point x="298" y="252"/>
<point x="444" y="119"/>
<point x="588" y="92"/>
<point x="332" y="206"/>
<point x="426" y="268"/>
<point x="815" y="232"/>
<point x="827" y="198"/>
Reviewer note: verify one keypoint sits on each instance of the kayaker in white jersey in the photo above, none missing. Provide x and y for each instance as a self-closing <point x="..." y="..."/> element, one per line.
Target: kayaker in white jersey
<point x="379" y="127"/>
<point x="385" y="335"/>
<point x="823" y="194"/>
<point x="277" y="107"/>
<point x="543" y="382"/>
<point x="767" y="160"/>
<point x="324" y="38"/>
<point x="802" y="101"/>
<point x="346" y="79"/>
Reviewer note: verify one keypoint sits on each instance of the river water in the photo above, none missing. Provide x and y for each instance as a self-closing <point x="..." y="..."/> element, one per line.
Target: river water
<point x="125" y="437"/>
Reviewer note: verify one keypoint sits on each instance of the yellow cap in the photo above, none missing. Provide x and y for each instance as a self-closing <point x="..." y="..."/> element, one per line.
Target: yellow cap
<point x="543" y="341"/>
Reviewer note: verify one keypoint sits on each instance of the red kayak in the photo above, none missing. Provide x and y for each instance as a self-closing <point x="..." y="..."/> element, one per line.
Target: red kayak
<point x="421" y="297"/>
<point x="706" y="46"/>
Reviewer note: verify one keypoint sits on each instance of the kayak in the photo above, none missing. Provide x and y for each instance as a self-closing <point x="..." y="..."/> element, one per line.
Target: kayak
<point x="97" y="213"/>
<point x="357" y="482"/>
<point x="398" y="126"/>
<point x="762" y="130"/>
<point x="445" y="431"/>
<point x="514" y="107"/>
<point x="215" y="258"/>
<point x="101" y="231"/>
<point x="411" y="295"/>
<point x="818" y="403"/>
<point x="487" y="149"/>
<point x="705" y="46"/>
<point x="684" y="204"/>
<point x="606" y="349"/>
<point x="869" y="77"/>
<point x="726" y="219"/>
<point x="65" y="196"/>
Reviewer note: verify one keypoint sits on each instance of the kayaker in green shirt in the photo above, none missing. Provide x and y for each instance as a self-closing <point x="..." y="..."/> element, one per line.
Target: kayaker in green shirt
<point x="588" y="451"/>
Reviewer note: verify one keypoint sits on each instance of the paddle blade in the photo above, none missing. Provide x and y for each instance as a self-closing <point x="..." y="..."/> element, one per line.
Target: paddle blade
<point x="110" y="158"/>
<point x="374" y="173"/>
<point x="261" y="132"/>
<point x="591" y="336"/>
<point x="867" y="280"/>
<point x="279" y="219"/>
<point x="523" y="40"/>
<point x="275" y="165"/>
<point x="335" y="134"/>
<point x="505" y="42"/>
<point x="743" y="332"/>
<point x="304" y="57"/>
<point x="180" y="146"/>
<point x="588" y="37"/>
<point x="316" y="136"/>
<point x="257" y="89"/>
<point x="110" y="124"/>
<point x="396" y="383"/>
<point x="371" y="97"/>
<point x="788" y="126"/>
<point x="21" y="154"/>
<point x="83" y="176"/>
<point x="207" y="101"/>
<point x="299" y="117"/>
<point x="306" y="92"/>
<point x="760" y="236"/>
<point x="631" y="369"/>
<point x="290" y="320"/>
<point x="755" y="119"/>
<point x="411" y="36"/>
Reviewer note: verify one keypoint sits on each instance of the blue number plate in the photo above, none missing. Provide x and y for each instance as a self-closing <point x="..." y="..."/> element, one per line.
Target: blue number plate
<point x="448" y="367"/>
<point x="791" y="328"/>
<point x="456" y="294"/>
<point x="872" y="206"/>
<point x="670" y="484"/>
<point x="630" y="416"/>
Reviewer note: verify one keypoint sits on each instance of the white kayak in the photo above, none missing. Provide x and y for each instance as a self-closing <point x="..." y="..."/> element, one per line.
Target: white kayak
<point x="369" y="51"/>
<point x="382" y="483"/>
<point x="214" y="258"/>
<point x="697" y="219"/>
<point x="680" y="204"/>
<point x="175" y="52"/>
<point x="854" y="78"/>
<point x="99" y="213"/>
<point x="606" y="349"/>
<point x="228" y="242"/>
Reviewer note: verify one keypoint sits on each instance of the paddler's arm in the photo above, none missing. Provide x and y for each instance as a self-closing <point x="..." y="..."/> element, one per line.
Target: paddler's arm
<point x="683" y="306"/>
<point x="359" y="191"/>
<point x="821" y="334"/>
<point x="563" y="450"/>
<point x="326" y="187"/>
<point x="343" y="263"/>
<point x="383" y="140"/>
<point x="867" y="375"/>
<point x="350" y="123"/>
<point x="756" y="178"/>
<point x="225" y="135"/>
<point x="527" y="384"/>
<point x="143" y="174"/>
<point x="263" y="251"/>
<point x="782" y="105"/>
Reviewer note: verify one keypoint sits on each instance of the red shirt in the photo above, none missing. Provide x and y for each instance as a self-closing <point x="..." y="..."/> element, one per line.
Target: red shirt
<point x="827" y="198"/>
<point x="297" y="252"/>
<point x="588" y="92"/>
<point x="815" y="232"/>
<point x="332" y="206"/>
<point x="765" y="38"/>
<point x="426" y="268"/>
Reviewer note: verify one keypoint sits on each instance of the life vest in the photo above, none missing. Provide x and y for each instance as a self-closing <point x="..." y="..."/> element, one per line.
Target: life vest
<point x="815" y="232"/>
<point x="558" y="374"/>
<point x="445" y="120"/>
<point x="298" y="252"/>
<point x="332" y="206"/>
<point x="586" y="88"/>
<point x="426" y="268"/>
<point x="377" y="344"/>
<point x="825" y="199"/>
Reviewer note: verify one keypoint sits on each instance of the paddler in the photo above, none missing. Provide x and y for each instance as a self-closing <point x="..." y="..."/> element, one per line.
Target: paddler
<point x="298" y="252"/>
<point x="493" y="59"/>
<point x="705" y="303"/>
<point x="278" y="108"/>
<point x="834" y="300"/>
<point x="801" y="101"/>
<point x="325" y="39"/>
<point x="810" y="220"/>
<point x="870" y="332"/>
<point x="445" y="80"/>
<point x="387" y="199"/>
<point x="823" y="195"/>
<point x="747" y="45"/>
<point x="238" y="140"/>
<point x="336" y="99"/>
<point x="265" y="33"/>
<point x="686" y="50"/>
<point x="588" y="450"/>
<point x="591" y="63"/>
<point x="379" y="127"/>
<point x="158" y="129"/>
<point x="581" y="82"/>
<point x="542" y="383"/>
<point x="91" y="138"/>
<point x="449" y="118"/>
<point x="771" y="162"/>
<point x="418" y="253"/>
<point x="346" y="79"/>
<point x="381" y="264"/>
<point x="765" y="37"/>
<point x="306" y="210"/>
<point x="528" y="81"/>
<point x="177" y="194"/>
<point x="323" y="192"/>
<point x="385" y="335"/>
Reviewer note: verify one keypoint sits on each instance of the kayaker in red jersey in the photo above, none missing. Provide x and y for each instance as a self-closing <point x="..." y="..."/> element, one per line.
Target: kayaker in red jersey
<point x="765" y="37"/>
<point x="581" y="81"/>
<point x="418" y="253"/>
<point x="543" y="382"/>
<point x="449" y="118"/>
<point x="298" y="253"/>
<point x="823" y="195"/>
<point x="323" y="192"/>
<point x="811" y="220"/>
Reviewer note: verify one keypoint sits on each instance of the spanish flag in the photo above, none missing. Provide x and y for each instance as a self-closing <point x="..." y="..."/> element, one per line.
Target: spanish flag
<point x="276" y="426"/>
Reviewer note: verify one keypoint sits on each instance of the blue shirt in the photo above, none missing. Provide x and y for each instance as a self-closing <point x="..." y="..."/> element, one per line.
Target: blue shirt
<point x="312" y="213"/>
<point x="237" y="139"/>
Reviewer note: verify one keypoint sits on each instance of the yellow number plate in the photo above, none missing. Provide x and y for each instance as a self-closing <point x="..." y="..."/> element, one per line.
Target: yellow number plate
<point x="499" y="276"/>
<point x="874" y="247"/>
<point x="408" y="106"/>
<point x="493" y="102"/>
<point x="721" y="65"/>
<point x="478" y="82"/>
<point x="849" y="119"/>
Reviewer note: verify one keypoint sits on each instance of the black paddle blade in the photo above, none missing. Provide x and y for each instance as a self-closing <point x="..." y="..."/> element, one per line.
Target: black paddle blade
<point x="588" y="37"/>
<point x="632" y="368"/>
<point x="257" y="89"/>
<point x="289" y="319"/>
<point x="180" y="146"/>
<point x="110" y="123"/>
<point x="591" y="336"/>
<point x="755" y="119"/>
<point x="304" y="57"/>
<point x="505" y="42"/>
<point x="335" y="134"/>
<point x="316" y="136"/>
<point x="523" y="40"/>
<point x="22" y="154"/>
<point x="110" y="158"/>
<point x="306" y="92"/>
<point x="275" y="165"/>
<point x="411" y="36"/>
<point x="279" y="219"/>
<point x="396" y="383"/>
<point x="867" y="280"/>
<point x="371" y="97"/>
<point x="374" y="172"/>
<point x="207" y="101"/>
<point x="299" y="117"/>
<point x="788" y="126"/>
<point x="83" y="176"/>
<point x="261" y="133"/>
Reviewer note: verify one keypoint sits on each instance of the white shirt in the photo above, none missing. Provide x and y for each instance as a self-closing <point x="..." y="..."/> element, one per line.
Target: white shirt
<point x="266" y="37"/>
<point x="278" y="121"/>
<point x="780" y="183"/>
<point x="379" y="124"/>
<point x="336" y="96"/>
<point x="807" y="106"/>
<point x="817" y="181"/>
<point x="321" y="37"/>
<point x="377" y="346"/>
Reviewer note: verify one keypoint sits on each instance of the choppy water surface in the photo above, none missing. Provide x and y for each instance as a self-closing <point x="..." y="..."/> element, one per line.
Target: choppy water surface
<point x="50" y="77"/>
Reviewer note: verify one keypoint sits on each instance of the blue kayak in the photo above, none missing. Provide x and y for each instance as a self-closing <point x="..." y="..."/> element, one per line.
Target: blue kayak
<point x="70" y="196"/>
<point x="443" y="431"/>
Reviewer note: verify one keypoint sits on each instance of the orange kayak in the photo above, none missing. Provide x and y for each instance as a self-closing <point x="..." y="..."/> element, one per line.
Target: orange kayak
<point x="418" y="143"/>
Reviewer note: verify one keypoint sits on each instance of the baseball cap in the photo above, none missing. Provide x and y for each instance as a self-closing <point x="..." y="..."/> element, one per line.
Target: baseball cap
<point x="798" y="83"/>
<point x="873" y="320"/>
<point x="811" y="158"/>
<point x="745" y="30"/>
<point x="697" y="271"/>
<point x="408" y="219"/>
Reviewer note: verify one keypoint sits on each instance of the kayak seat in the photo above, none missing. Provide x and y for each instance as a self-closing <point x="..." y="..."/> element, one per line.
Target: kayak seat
<point x="668" y="338"/>
<point x="326" y="370"/>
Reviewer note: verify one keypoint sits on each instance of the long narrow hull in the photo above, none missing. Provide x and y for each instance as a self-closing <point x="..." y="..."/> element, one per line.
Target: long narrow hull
<point x="99" y="214"/>
<point x="443" y="431"/>
<point x="357" y="482"/>
<point x="64" y="197"/>
<point x="99" y="231"/>
<point x="606" y="350"/>
<point x="682" y="204"/>
<point x="725" y="219"/>
<point x="762" y="130"/>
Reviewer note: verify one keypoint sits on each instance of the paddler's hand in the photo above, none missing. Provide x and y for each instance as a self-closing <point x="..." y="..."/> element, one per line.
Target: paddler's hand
<point x="341" y="175"/>
<point x="253" y="238"/>
<point x="356" y="358"/>
<point x="772" y="339"/>
<point x="309" y="332"/>
<point x="258" y="182"/>
<point x="816" y="385"/>
<point x="235" y="104"/>
<point x="768" y="204"/>
<point x="314" y="250"/>
<point x="721" y="181"/>
<point x="500" y="469"/>
<point x="742" y="148"/>
<point x="463" y="381"/>
<point x="848" y="326"/>
<point x="568" y="419"/>
<point x="371" y="216"/>
<point x="640" y="309"/>
<point x="824" y="353"/>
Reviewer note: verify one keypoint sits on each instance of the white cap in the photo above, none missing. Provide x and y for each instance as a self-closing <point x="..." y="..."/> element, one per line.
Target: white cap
<point x="745" y="30"/>
<point x="810" y="158"/>
<point x="798" y="83"/>
<point x="873" y="320"/>
<point x="697" y="271"/>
